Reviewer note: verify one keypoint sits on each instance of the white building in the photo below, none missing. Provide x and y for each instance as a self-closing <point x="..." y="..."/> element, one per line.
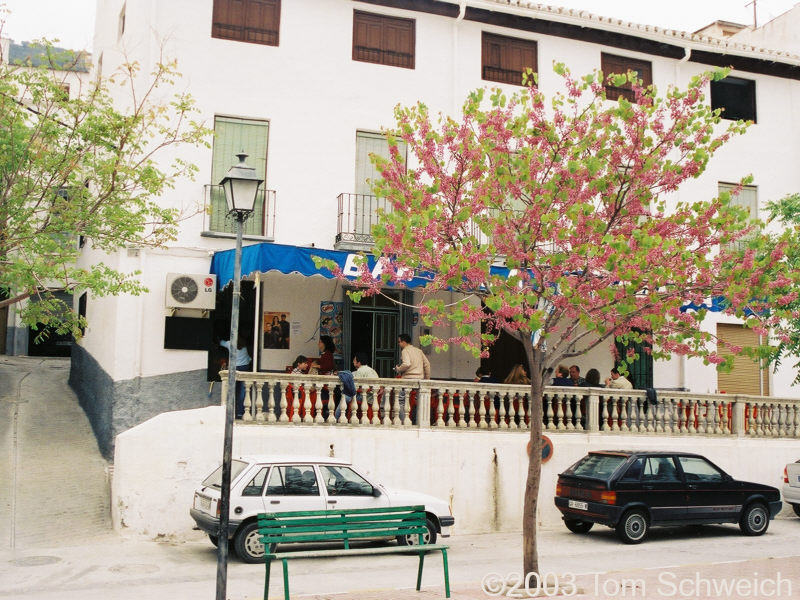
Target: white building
<point x="304" y="87"/>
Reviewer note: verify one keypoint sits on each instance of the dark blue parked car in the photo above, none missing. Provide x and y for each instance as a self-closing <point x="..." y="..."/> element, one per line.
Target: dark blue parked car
<point x="632" y="491"/>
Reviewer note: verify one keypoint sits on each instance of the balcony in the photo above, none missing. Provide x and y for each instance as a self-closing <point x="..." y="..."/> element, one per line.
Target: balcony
<point x="356" y="215"/>
<point x="216" y="223"/>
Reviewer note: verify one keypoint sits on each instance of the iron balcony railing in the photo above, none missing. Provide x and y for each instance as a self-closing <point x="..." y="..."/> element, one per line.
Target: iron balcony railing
<point x="356" y="215"/>
<point x="261" y="223"/>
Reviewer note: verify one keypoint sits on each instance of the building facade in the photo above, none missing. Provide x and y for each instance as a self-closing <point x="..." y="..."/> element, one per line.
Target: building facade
<point x="305" y="88"/>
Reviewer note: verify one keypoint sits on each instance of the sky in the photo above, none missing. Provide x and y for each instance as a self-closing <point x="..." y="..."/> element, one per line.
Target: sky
<point x="72" y="21"/>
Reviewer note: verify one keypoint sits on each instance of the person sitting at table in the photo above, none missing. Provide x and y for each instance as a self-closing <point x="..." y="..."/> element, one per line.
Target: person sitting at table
<point x="300" y="365"/>
<point x="562" y="376"/>
<point x="617" y="381"/>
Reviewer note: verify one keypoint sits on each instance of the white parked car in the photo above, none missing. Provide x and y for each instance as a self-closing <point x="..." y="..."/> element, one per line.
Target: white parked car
<point x="791" y="486"/>
<point x="261" y="484"/>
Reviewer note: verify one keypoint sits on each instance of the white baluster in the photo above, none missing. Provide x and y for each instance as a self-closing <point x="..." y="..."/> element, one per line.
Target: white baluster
<point x="512" y="421"/>
<point x="559" y="402"/>
<point x="451" y="409"/>
<point x="623" y="413"/>
<point x="691" y="406"/>
<point x="501" y="415"/>
<point x="270" y="418"/>
<point x="284" y="418"/>
<point x="604" y="414"/>
<point x="248" y="402"/>
<point x="492" y="417"/>
<point x="551" y="415"/>
<point x="482" y="410"/>
<point x="579" y="414"/>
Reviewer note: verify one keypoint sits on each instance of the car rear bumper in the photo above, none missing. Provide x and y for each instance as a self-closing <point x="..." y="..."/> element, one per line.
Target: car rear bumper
<point x="774" y="508"/>
<point x="595" y="512"/>
<point x="791" y="494"/>
<point x="210" y="525"/>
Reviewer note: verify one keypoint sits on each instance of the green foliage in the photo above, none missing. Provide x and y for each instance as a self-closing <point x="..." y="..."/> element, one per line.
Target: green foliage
<point x="77" y="165"/>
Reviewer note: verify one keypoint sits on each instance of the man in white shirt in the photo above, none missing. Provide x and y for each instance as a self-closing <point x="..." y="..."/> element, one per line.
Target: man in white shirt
<point x="617" y="381"/>
<point x="363" y="370"/>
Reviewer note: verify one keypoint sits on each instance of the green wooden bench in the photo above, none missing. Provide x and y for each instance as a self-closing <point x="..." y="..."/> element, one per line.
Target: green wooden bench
<point x="347" y="526"/>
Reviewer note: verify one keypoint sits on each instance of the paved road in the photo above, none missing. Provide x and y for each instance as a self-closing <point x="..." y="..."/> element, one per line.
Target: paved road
<point x="599" y="566"/>
<point x="50" y="467"/>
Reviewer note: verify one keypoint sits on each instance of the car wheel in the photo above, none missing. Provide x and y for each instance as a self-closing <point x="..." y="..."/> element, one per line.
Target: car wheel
<point x="247" y="543"/>
<point x="214" y="539"/>
<point x="576" y="526"/>
<point x="755" y="519"/>
<point x="796" y="509"/>
<point x="413" y="540"/>
<point x="632" y="528"/>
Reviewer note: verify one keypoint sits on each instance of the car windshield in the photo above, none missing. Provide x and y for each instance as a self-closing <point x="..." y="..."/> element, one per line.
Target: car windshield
<point x="599" y="466"/>
<point x="215" y="479"/>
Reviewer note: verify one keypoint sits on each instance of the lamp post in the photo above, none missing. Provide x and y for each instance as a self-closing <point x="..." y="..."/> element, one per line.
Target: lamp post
<point x="241" y="187"/>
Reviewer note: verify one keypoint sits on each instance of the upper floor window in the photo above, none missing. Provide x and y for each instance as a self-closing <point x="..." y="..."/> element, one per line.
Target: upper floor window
<point x="504" y="59"/>
<point x="736" y="97"/>
<point x="232" y="135"/>
<point x="255" y="21"/>
<point x="384" y="40"/>
<point x="610" y="63"/>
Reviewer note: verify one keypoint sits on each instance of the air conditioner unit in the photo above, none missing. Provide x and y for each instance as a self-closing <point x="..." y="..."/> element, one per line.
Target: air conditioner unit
<point x="191" y="291"/>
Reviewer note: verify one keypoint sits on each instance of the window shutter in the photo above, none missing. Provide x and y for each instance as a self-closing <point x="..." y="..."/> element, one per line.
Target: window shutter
<point x="230" y="137"/>
<point x="747" y="377"/>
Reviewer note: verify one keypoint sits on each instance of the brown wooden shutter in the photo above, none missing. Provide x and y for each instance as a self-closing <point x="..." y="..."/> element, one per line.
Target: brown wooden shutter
<point x="504" y="59"/>
<point x="746" y="377"/>
<point x="255" y="21"/>
<point x="384" y="40"/>
<point x="610" y="63"/>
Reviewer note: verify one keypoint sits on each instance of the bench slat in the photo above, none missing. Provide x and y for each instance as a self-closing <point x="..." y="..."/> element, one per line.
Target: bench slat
<point x="359" y="551"/>
<point x="349" y="511"/>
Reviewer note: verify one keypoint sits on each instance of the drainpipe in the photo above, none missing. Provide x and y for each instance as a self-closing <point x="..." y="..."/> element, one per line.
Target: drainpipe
<point x="687" y="54"/>
<point x="462" y="10"/>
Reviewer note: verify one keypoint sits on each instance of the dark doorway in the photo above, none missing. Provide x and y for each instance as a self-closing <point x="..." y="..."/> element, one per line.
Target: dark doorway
<point x="506" y="352"/>
<point x="374" y="332"/>
<point x="218" y="356"/>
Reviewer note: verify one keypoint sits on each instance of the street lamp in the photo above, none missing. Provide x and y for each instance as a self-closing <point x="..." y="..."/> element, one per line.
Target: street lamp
<point x="241" y="187"/>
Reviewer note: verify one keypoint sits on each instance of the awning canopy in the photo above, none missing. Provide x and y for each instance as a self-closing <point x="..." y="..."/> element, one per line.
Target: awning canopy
<point x="268" y="257"/>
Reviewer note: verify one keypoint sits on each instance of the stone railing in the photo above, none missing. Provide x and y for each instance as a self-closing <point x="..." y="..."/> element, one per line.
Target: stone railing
<point x="276" y="398"/>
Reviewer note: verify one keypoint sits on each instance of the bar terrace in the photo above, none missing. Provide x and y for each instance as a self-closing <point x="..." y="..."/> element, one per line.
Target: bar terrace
<point x="308" y="400"/>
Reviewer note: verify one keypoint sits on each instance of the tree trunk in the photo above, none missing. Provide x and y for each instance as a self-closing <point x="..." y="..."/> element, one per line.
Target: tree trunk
<point x="530" y="555"/>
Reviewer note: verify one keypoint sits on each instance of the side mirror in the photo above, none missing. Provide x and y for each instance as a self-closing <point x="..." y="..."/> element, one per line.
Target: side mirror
<point x="376" y="492"/>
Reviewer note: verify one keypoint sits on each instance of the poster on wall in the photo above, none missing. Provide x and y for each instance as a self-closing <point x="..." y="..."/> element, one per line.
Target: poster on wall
<point x="276" y="330"/>
<point x="330" y="323"/>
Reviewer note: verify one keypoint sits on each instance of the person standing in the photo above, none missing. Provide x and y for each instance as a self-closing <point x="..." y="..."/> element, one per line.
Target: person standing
<point x="617" y="381"/>
<point x="415" y="364"/>
<point x="240" y="359"/>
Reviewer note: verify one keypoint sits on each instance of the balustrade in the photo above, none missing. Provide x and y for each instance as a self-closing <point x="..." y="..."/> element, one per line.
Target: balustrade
<point x="284" y="399"/>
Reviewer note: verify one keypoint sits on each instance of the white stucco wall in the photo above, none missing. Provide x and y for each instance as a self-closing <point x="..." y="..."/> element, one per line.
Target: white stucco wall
<point x="152" y="491"/>
<point x="315" y="98"/>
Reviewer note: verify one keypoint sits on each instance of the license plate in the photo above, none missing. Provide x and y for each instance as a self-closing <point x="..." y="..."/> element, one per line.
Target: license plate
<point x="578" y="505"/>
<point x="203" y="502"/>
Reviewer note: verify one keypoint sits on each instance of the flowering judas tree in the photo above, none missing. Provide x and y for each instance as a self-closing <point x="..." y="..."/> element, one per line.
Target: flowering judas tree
<point x="572" y="196"/>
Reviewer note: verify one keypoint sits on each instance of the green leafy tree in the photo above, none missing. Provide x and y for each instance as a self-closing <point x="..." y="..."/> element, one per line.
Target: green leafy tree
<point x="572" y="197"/>
<point x="786" y="213"/>
<point x="79" y="165"/>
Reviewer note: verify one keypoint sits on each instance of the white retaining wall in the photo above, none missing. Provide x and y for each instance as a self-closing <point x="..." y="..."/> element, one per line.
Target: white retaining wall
<point x="158" y="464"/>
